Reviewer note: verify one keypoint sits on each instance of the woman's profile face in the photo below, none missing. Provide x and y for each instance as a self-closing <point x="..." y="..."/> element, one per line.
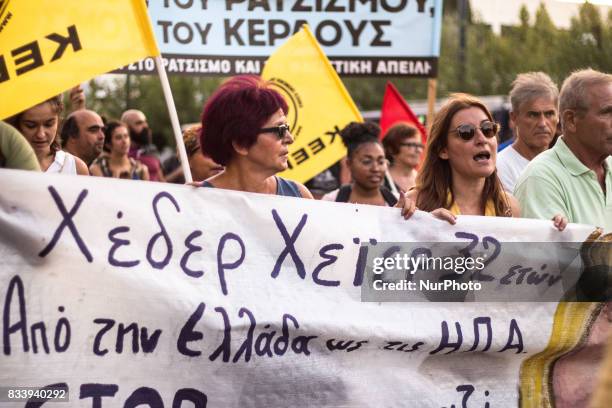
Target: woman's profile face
<point x="368" y="165"/>
<point x="271" y="150"/>
<point x="476" y="156"/>
<point x="39" y="126"/>
<point x="120" y="141"/>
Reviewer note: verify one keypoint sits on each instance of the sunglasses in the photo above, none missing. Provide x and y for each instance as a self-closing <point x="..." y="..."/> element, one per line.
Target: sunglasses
<point x="280" y="130"/>
<point x="467" y="132"/>
<point x="413" y="144"/>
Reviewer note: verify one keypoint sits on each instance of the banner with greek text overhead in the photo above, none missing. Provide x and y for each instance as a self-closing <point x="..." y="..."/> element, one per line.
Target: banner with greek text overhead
<point x="365" y="37"/>
<point x="319" y="104"/>
<point x="121" y="293"/>
<point x="48" y="47"/>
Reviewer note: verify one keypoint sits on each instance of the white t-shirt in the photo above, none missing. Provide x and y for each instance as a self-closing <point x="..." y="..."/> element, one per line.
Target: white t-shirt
<point x="510" y="165"/>
<point x="63" y="163"/>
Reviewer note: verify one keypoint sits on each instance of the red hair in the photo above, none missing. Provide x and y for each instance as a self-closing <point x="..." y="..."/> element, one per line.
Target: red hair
<point x="235" y="113"/>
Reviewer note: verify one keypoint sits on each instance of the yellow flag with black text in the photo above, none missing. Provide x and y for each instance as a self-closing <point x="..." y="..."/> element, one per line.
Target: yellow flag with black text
<point x="319" y="104"/>
<point x="48" y="46"/>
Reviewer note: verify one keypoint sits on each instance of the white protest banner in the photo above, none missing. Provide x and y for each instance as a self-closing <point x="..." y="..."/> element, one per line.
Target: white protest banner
<point x="229" y="37"/>
<point x="127" y="293"/>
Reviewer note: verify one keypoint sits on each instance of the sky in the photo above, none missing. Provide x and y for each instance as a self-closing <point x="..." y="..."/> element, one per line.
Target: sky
<point x="504" y="12"/>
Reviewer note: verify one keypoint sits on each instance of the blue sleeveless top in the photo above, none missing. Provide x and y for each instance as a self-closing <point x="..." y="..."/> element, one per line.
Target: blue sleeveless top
<point x="284" y="187"/>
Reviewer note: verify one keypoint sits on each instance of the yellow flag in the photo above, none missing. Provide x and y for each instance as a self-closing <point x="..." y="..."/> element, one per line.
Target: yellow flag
<point x="319" y="104"/>
<point x="48" y="46"/>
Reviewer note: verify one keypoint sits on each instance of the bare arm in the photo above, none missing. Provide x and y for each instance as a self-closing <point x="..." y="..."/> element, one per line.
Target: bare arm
<point x="304" y="191"/>
<point x="407" y="205"/>
<point x="174" y="175"/>
<point x="413" y="194"/>
<point x="439" y="213"/>
<point x="515" y="206"/>
<point x="95" y="170"/>
<point x="77" y="98"/>
<point x="145" y="173"/>
<point x="81" y="167"/>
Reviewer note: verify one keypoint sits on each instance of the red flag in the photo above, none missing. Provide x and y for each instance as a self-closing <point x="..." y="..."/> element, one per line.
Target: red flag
<point x="395" y="109"/>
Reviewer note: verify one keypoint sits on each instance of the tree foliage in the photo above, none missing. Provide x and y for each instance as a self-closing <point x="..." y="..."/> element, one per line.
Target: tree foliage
<point x="110" y="99"/>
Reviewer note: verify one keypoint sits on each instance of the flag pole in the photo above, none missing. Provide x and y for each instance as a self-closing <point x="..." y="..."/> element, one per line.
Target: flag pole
<point x="176" y="128"/>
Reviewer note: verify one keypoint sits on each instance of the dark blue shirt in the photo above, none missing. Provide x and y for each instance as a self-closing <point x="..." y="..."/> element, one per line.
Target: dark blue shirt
<point x="284" y="187"/>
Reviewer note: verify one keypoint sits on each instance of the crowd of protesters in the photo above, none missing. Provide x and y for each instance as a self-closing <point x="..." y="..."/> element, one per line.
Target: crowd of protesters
<point x="244" y="139"/>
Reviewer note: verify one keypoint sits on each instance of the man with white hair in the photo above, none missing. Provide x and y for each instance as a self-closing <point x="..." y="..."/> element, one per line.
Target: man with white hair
<point x="574" y="178"/>
<point x="534" y="97"/>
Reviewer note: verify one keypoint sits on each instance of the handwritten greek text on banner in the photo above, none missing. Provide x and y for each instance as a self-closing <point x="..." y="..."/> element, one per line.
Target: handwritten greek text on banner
<point x="131" y="293"/>
<point x="48" y="47"/>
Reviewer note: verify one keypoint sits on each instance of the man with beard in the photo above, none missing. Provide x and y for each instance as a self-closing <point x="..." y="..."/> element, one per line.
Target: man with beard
<point x="141" y="147"/>
<point x="83" y="135"/>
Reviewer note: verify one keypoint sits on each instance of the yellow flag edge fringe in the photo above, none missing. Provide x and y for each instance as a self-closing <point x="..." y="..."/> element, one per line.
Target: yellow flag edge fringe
<point x="332" y="72"/>
<point x="142" y="12"/>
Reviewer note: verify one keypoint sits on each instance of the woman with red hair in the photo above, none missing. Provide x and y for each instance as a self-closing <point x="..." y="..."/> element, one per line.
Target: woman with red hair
<point x="244" y="128"/>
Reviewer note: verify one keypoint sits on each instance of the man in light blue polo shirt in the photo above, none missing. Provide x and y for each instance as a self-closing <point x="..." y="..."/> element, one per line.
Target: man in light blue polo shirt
<point x="574" y="178"/>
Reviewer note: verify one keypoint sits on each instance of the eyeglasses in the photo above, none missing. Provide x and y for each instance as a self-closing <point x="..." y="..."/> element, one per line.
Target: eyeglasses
<point x="280" y="130"/>
<point x="467" y="131"/>
<point x="413" y="144"/>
